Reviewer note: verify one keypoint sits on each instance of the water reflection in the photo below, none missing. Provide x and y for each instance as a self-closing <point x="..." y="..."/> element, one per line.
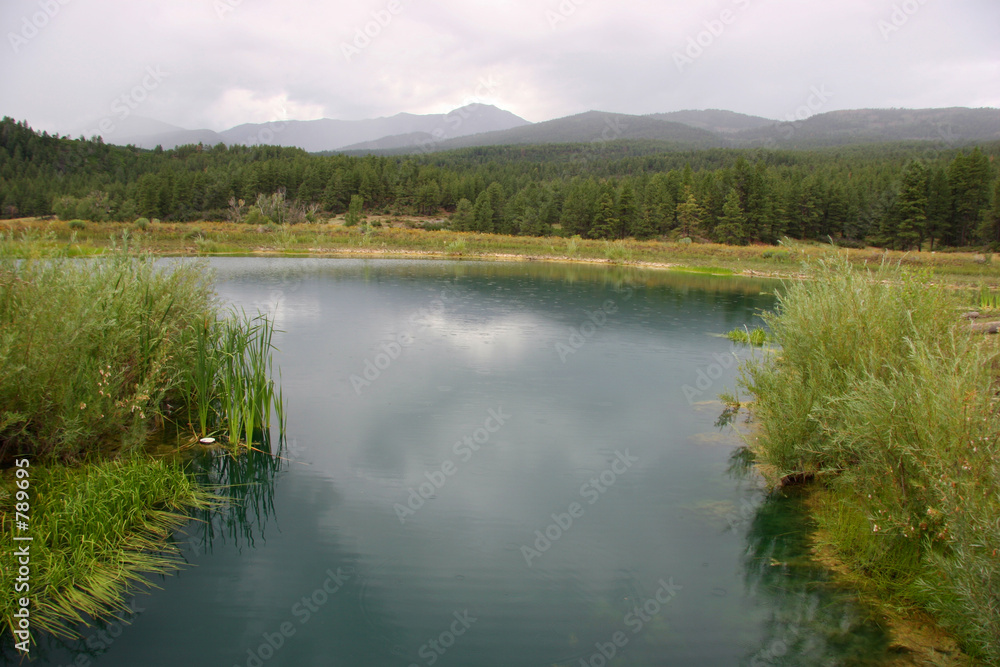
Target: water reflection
<point x="245" y="483"/>
<point x="808" y="619"/>
<point x="493" y="346"/>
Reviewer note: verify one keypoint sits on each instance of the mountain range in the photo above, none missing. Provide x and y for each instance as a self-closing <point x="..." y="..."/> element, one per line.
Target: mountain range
<point x="486" y="125"/>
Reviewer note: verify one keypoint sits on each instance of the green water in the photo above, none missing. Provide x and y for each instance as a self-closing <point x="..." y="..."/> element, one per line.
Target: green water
<point x="491" y="464"/>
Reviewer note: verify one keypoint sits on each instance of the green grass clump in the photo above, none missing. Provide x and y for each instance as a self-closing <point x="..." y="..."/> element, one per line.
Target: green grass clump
<point x="756" y="336"/>
<point x="988" y="299"/>
<point x="98" y="531"/>
<point x="892" y="402"/>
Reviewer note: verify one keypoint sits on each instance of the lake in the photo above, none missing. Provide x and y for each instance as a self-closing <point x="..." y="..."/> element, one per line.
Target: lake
<point x="492" y="464"/>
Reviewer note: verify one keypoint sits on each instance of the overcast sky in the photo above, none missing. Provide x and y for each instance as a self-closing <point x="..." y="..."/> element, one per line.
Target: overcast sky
<point x="216" y="63"/>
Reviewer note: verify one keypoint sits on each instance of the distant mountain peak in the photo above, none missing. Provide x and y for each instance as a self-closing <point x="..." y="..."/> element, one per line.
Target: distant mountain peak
<point x="328" y="134"/>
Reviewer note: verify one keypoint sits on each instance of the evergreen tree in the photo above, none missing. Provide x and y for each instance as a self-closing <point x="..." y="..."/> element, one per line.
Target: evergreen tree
<point x="911" y="207"/>
<point x="938" y="207"/>
<point x="689" y="215"/>
<point x="353" y="216"/>
<point x="606" y="223"/>
<point x="732" y="225"/>
<point x="969" y="177"/>
<point x="482" y="214"/>
<point x="629" y="217"/>
<point x="578" y="210"/>
<point x="464" y="218"/>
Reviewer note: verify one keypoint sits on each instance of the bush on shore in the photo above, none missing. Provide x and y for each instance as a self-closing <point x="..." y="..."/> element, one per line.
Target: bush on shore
<point x="887" y="398"/>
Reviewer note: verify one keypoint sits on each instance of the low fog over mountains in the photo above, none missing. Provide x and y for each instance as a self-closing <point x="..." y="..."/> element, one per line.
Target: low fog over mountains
<point x="485" y="125"/>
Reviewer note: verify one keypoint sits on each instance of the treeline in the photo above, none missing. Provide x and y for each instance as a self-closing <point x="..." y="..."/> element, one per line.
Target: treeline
<point x="901" y="196"/>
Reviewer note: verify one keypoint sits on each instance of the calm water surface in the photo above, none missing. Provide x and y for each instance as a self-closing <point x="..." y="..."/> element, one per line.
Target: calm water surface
<point x="491" y="464"/>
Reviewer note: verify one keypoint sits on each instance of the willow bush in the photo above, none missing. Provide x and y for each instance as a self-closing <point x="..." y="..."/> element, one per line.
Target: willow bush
<point x="883" y="393"/>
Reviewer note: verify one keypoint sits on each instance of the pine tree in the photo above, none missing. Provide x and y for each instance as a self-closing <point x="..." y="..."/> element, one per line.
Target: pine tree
<point x="483" y="214"/>
<point x="353" y="216"/>
<point x="578" y="210"/>
<point x="501" y="224"/>
<point x="629" y="217"/>
<point x="732" y="224"/>
<point x="464" y="218"/>
<point x="911" y="207"/>
<point x="689" y="215"/>
<point x="938" y="207"/>
<point x="969" y="178"/>
<point x="606" y="222"/>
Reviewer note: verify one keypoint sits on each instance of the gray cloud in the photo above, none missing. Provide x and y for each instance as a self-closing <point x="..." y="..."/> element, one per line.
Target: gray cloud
<point x="65" y="64"/>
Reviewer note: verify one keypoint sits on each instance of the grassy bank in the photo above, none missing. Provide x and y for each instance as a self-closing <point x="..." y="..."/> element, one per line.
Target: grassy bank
<point x="95" y="356"/>
<point x="407" y="238"/>
<point x="882" y="395"/>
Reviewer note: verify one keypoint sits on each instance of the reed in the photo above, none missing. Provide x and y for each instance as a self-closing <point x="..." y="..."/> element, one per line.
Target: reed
<point x="245" y="371"/>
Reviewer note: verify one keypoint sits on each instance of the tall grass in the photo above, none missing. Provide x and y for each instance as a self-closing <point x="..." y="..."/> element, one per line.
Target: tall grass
<point x="98" y="531"/>
<point x="92" y="352"/>
<point x="882" y="392"/>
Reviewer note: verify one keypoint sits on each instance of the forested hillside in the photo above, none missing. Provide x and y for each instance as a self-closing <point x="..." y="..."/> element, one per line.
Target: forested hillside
<point x="903" y="196"/>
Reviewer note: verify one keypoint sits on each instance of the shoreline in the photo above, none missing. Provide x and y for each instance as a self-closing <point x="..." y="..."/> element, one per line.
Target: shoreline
<point x="406" y="239"/>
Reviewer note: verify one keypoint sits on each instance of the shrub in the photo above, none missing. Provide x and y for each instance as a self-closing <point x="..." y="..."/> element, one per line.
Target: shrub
<point x="777" y="255"/>
<point x="883" y="394"/>
<point x="141" y="224"/>
<point x="77" y="224"/>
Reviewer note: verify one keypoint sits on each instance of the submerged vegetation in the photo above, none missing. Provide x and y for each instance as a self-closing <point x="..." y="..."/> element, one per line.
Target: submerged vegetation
<point x="95" y="356"/>
<point x="883" y="396"/>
